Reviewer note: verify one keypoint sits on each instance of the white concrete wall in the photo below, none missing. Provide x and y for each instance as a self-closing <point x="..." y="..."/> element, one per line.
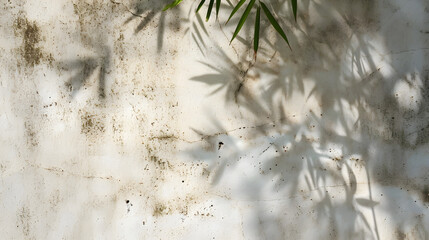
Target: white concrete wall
<point x="119" y="121"/>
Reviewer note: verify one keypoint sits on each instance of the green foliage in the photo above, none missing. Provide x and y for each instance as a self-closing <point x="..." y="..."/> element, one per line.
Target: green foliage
<point x="294" y="7"/>
<point x="245" y="15"/>
<point x="243" y="19"/>
<point x="217" y="7"/>
<point x="173" y="4"/>
<point x="209" y="10"/>
<point x="256" y="36"/>
<point x="200" y="5"/>
<point x="235" y="9"/>
<point x="274" y="23"/>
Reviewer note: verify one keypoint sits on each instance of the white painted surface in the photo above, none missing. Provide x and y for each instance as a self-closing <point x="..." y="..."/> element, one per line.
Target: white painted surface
<point x="329" y="141"/>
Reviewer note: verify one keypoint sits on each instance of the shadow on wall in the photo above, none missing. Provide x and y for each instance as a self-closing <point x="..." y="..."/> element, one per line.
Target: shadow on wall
<point x="96" y="25"/>
<point x="339" y="125"/>
<point x="83" y="68"/>
<point x="146" y="12"/>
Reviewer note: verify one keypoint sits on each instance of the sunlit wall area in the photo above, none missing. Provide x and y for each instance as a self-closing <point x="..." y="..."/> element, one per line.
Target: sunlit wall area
<point x="119" y="120"/>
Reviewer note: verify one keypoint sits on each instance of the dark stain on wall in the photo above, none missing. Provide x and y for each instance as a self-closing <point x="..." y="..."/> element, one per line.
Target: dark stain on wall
<point x="159" y="210"/>
<point x="32" y="139"/>
<point x="92" y="125"/>
<point x="24" y="221"/>
<point x="30" y="50"/>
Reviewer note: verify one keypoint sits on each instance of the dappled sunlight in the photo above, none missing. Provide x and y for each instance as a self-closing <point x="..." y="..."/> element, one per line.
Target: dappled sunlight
<point x="310" y="118"/>
<point x="121" y="120"/>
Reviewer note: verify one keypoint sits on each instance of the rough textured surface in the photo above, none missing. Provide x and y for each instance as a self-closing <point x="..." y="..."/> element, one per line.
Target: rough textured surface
<point x="120" y="121"/>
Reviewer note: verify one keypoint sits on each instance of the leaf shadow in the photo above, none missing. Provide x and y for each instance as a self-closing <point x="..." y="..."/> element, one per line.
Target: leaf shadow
<point x="326" y="150"/>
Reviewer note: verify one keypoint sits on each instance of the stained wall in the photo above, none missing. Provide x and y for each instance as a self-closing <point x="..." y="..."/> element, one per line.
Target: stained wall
<point x="121" y="121"/>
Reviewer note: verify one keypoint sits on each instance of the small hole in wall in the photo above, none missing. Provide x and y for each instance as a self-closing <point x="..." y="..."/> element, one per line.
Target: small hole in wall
<point x="220" y="145"/>
<point x="129" y="205"/>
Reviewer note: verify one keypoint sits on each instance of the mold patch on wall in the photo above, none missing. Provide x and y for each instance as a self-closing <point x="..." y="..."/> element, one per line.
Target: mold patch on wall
<point x="31" y="36"/>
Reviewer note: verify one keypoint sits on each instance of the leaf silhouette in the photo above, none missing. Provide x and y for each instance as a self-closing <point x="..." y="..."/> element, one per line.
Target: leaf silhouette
<point x="209" y="10"/>
<point x="256" y="37"/>
<point x="173" y="4"/>
<point x="217" y="7"/>
<point x="294" y="7"/>
<point x="274" y="23"/>
<point x="235" y="9"/>
<point x="243" y="19"/>
<point x="200" y="5"/>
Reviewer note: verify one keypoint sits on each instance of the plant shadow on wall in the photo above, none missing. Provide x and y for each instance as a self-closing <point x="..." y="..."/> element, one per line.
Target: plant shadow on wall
<point x="96" y="25"/>
<point x="93" y="27"/>
<point x="83" y="68"/>
<point x="145" y="12"/>
<point x="327" y="119"/>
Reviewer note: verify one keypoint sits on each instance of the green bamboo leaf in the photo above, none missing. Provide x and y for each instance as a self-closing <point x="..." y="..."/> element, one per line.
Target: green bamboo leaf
<point x="217" y="7"/>
<point x="256" y="37"/>
<point x="274" y="23"/>
<point x="294" y="7"/>
<point x="243" y="19"/>
<point x="200" y="5"/>
<point x="235" y="9"/>
<point x="173" y="4"/>
<point x="209" y="10"/>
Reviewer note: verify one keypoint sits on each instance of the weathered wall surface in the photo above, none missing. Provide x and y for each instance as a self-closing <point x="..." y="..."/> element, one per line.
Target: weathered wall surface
<point x="120" y="121"/>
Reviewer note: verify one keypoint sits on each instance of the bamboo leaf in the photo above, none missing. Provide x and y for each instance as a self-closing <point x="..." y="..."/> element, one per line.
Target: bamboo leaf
<point x="256" y="37"/>
<point x="217" y="7"/>
<point x="235" y="9"/>
<point x="209" y="10"/>
<point x="243" y="19"/>
<point x="274" y="23"/>
<point x="294" y="7"/>
<point x="173" y="4"/>
<point x="200" y="5"/>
